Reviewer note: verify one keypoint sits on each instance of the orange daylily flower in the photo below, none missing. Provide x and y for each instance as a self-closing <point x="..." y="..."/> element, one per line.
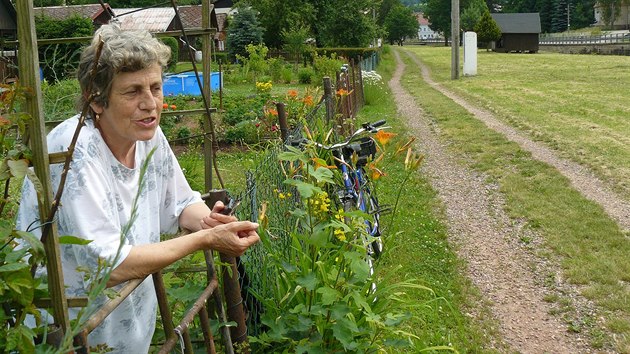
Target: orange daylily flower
<point x="308" y="100"/>
<point x="4" y="121"/>
<point x="292" y="93"/>
<point x="173" y="106"/>
<point x="273" y="112"/>
<point x="321" y="163"/>
<point x="383" y="137"/>
<point x="342" y="92"/>
<point x="165" y="106"/>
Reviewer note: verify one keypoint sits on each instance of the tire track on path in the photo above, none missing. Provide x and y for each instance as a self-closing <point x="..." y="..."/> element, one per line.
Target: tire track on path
<point x="486" y="238"/>
<point x="581" y="178"/>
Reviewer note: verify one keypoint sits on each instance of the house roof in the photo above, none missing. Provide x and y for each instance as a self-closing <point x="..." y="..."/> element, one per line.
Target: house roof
<point x="91" y="11"/>
<point x="191" y="16"/>
<point x="518" y="22"/>
<point x="157" y="19"/>
<point x="422" y="21"/>
<point x="220" y="4"/>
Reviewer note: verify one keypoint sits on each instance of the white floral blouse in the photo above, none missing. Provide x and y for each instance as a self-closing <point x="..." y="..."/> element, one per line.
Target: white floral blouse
<point x="96" y="205"/>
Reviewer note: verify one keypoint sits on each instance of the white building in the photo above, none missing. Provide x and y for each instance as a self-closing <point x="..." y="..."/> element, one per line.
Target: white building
<point x="424" y="32"/>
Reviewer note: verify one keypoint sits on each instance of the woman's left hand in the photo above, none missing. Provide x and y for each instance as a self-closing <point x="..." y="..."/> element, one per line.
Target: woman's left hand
<point x="215" y="218"/>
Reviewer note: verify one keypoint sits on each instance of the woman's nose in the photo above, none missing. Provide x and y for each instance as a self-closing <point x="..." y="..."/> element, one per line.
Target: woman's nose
<point x="148" y="101"/>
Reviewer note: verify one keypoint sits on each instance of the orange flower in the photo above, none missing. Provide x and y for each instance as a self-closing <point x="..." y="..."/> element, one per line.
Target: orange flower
<point x="165" y="106"/>
<point x="342" y="92"/>
<point x="173" y="106"/>
<point x="308" y="100"/>
<point x="383" y="137"/>
<point x="292" y="93"/>
<point x="273" y="112"/>
<point x="4" y="121"/>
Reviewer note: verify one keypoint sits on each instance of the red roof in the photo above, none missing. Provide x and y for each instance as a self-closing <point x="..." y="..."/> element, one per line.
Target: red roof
<point x="423" y="21"/>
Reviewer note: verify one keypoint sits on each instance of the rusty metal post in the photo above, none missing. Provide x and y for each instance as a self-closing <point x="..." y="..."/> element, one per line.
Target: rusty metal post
<point x="282" y="120"/>
<point x="165" y="312"/>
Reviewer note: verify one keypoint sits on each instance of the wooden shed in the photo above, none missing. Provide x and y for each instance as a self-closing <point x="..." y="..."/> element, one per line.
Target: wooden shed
<point x="8" y="32"/>
<point x="519" y="32"/>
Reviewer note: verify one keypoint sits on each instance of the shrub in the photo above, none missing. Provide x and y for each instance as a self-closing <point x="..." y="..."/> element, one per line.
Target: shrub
<point x="172" y="43"/>
<point x="60" y="99"/>
<point x="305" y="75"/>
<point x="239" y="108"/>
<point x="59" y="61"/>
<point x="326" y="66"/>
<point x="244" y="132"/>
<point x="286" y="75"/>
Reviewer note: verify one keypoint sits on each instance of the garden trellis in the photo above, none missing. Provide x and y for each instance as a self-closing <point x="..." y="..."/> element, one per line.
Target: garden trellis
<point x="29" y="77"/>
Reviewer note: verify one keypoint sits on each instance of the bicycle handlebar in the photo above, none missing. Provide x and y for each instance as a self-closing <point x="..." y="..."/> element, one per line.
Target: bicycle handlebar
<point x="366" y="127"/>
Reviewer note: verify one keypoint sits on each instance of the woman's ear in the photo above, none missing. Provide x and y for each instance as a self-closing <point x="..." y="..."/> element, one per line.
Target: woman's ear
<point x="96" y="108"/>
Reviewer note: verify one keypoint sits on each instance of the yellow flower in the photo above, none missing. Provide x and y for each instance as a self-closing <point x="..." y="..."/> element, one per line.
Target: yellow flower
<point x="281" y="195"/>
<point x="340" y="235"/>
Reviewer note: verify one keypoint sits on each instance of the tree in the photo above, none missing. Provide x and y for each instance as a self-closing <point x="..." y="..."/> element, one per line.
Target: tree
<point x="559" y="17"/>
<point x="344" y="23"/>
<point x="401" y="23"/>
<point x="384" y="10"/>
<point x="471" y="15"/>
<point x="439" y="16"/>
<point x="295" y="41"/>
<point x="278" y="16"/>
<point x="244" y="29"/>
<point x="610" y="11"/>
<point x="487" y="29"/>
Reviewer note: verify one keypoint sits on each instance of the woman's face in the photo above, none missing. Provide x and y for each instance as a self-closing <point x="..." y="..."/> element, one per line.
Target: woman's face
<point x="133" y="111"/>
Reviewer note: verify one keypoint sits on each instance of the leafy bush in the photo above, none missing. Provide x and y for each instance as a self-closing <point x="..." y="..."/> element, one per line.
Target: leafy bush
<point x="286" y="75"/>
<point x="172" y="43"/>
<point x="239" y="108"/>
<point x="59" y="61"/>
<point x="306" y="75"/>
<point x="322" y="295"/>
<point x="244" y="132"/>
<point x="326" y="66"/>
<point x="60" y="99"/>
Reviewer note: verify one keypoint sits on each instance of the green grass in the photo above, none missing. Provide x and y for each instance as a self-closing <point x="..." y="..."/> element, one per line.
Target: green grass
<point x="590" y="247"/>
<point x="577" y="104"/>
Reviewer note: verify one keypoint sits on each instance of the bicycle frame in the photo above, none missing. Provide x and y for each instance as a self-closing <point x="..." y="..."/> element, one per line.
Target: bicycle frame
<point x="353" y="181"/>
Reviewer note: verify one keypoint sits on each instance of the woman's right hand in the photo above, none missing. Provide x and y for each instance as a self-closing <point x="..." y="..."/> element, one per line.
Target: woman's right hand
<point x="233" y="238"/>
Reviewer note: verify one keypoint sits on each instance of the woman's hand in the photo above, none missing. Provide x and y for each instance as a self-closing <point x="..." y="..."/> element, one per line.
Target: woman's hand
<point x="215" y="218"/>
<point x="233" y="238"/>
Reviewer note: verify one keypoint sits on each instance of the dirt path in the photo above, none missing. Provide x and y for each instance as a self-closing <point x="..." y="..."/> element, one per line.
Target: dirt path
<point x="485" y="237"/>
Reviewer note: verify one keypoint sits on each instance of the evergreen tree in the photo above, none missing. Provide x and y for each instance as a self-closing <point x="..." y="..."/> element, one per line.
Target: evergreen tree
<point x="471" y="15"/>
<point x="244" y="29"/>
<point x="559" y="17"/>
<point x="487" y="29"/>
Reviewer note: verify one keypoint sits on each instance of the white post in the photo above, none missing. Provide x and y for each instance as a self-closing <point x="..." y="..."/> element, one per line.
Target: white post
<point x="470" y="53"/>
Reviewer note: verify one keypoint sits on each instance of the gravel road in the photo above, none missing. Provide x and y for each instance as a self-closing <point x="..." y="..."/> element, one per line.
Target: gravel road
<point x="507" y="274"/>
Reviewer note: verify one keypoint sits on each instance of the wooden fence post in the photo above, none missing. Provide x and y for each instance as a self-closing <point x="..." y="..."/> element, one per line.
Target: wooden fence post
<point x="29" y="77"/>
<point x="330" y="100"/>
<point x="282" y="120"/>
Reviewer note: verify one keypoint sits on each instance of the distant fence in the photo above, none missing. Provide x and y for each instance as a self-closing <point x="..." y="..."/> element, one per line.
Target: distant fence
<point x="554" y="39"/>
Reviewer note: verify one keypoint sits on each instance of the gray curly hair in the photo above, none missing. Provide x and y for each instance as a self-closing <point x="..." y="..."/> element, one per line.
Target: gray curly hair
<point x="123" y="51"/>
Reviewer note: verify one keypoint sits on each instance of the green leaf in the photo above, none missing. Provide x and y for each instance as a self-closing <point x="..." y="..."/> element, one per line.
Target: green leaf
<point x="18" y="167"/>
<point x="294" y="154"/>
<point x="358" y="265"/>
<point x="12" y="267"/>
<point x="306" y="190"/>
<point x="344" y="330"/>
<point x="320" y="237"/>
<point x="73" y="240"/>
<point x="322" y="174"/>
<point x="329" y="295"/>
<point x="37" y="247"/>
<point x="37" y="184"/>
<point x="4" y="171"/>
<point x="308" y="281"/>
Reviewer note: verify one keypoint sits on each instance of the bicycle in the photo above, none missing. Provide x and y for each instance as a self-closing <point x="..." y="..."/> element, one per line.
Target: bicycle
<point x="357" y="192"/>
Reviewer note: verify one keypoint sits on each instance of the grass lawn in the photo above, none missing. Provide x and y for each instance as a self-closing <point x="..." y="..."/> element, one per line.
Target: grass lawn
<point x="592" y="250"/>
<point x="577" y="104"/>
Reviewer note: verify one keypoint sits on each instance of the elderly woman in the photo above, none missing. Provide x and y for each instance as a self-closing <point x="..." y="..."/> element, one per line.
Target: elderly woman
<point x="104" y="180"/>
